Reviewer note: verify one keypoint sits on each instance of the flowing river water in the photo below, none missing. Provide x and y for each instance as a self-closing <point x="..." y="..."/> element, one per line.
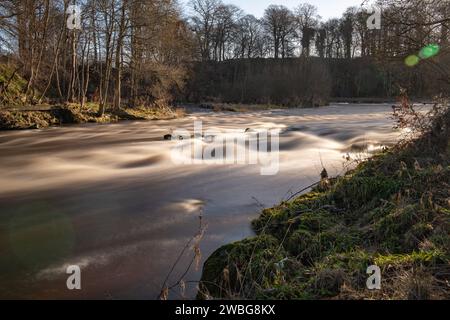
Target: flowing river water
<point x="109" y="198"/>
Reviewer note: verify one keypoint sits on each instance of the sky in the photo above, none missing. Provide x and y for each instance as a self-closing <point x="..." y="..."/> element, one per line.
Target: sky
<point x="326" y="8"/>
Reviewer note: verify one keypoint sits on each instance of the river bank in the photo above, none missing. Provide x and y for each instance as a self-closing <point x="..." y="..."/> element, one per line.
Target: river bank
<point x="392" y="211"/>
<point x="38" y="117"/>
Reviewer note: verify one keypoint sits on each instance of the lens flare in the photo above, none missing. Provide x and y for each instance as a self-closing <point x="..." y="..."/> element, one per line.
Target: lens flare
<point x="412" y="60"/>
<point x="429" y="51"/>
<point x="425" y="53"/>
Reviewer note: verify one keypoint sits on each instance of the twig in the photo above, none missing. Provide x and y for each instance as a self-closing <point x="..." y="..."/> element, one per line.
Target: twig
<point x="198" y="235"/>
<point x="258" y="203"/>
<point x="302" y="190"/>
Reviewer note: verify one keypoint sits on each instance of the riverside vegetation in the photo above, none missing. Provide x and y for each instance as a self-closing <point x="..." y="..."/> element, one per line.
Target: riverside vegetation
<point x="392" y="211"/>
<point x="134" y="59"/>
<point x="17" y="116"/>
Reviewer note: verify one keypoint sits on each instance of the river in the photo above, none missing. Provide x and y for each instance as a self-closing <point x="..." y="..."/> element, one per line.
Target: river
<point x="109" y="198"/>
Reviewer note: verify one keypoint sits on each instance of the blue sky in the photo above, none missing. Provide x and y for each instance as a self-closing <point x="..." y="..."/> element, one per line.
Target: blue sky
<point x="327" y="8"/>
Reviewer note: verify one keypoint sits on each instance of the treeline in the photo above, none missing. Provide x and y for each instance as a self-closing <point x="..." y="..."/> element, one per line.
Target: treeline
<point x="293" y="57"/>
<point x="309" y="82"/>
<point x="224" y="31"/>
<point x="152" y="52"/>
<point x="123" y="52"/>
<point x="261" y="81"/>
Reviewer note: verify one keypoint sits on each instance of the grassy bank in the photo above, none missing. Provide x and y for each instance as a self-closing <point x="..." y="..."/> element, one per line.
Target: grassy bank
<point x="392" y="211"/>
<point x="45" y="116"/>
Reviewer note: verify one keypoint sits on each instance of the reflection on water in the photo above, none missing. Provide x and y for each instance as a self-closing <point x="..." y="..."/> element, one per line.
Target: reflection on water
<point x="109" y="199"/>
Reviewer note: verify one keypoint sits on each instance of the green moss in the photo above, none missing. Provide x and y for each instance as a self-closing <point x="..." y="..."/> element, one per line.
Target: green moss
<point x="423" y="257"/>
<point x="291" y="215"/>
<point x="315" y="221"/>
<point x="235" y="268"/>
<point x="341" y="239"/>
<point x="390" y="230"/>
<point x="304" y="245"/>
<point x="355" y="191"/>
<point x="356" y="260"/>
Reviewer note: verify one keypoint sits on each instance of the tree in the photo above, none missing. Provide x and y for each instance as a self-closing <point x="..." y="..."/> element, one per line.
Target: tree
<point x="225" y="24"/>
<point x="321" y="37"/>
<point x="203" y="21"/>
<point x="346" y="29"/>
<point x="307" y="22"/>
<point x="279" y="24"/>
<point x="118" y="59"/>
<point x="249" y="38"/>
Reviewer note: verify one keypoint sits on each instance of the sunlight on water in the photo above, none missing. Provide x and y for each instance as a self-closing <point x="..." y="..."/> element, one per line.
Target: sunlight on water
<point x="123" y="210"/>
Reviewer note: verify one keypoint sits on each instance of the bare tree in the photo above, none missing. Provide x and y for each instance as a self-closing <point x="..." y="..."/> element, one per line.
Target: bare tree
<point x="249" y="38"/>
<point x="226" y="17"/>
<point x="118" y="58"/>
<point x="307" y="20"/>
<point x="279" y="24"/>
<point x="203" y="21"/>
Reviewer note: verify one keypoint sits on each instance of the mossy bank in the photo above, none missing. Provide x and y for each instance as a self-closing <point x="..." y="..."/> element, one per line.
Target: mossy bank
<point x="38" y="118"/>
<point x="392" y="211"/>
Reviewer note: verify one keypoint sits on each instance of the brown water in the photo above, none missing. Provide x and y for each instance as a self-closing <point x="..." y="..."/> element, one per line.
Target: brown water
<point x="109" y="199"/>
